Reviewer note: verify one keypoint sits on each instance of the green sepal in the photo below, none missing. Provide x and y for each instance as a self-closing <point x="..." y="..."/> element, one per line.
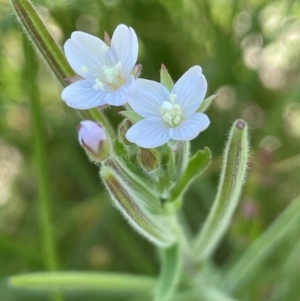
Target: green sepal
<point x="195" y="167"/>
<point x="165" y="78"/>
<point x="119" y="148"/>
<point x="66" y="281"/>
<point x="206" y="103"/>
<point x="171" y="265"/>
<point x="131" y="115"/>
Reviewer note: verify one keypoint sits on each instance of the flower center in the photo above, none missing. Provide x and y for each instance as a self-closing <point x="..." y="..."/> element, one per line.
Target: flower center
<point x="110" y="77"/>
<point x="111" y="73"/>
<point x="171" y="112"/>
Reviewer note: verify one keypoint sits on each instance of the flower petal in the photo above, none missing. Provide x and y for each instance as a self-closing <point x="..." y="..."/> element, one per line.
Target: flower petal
<point x="124" y="44"/>
<point x="190" y="128"/>
<point x="148" y="97"/>
<point x="122" y="95"/>
<point x="81" y="95"/>
<point x="190" y="90"/>
<point x="149" y="133"/>
<point x="84" y="59"/>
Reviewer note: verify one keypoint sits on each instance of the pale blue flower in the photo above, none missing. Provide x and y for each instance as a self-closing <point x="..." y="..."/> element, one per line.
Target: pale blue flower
<point x="105" y="70"/>
<point x="168" y="115"/>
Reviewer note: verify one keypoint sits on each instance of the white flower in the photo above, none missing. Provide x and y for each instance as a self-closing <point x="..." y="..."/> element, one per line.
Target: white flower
<point x="105" y="70"/>
<point x="168" y="115"/>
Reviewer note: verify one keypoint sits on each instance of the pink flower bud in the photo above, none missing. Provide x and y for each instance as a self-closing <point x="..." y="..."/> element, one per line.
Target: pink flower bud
<point x="137" y="70"/>
<point x="92" y="137"/>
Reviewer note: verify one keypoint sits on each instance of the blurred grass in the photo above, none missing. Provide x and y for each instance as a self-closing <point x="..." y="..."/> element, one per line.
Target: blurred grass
<point x="249" y="52"/>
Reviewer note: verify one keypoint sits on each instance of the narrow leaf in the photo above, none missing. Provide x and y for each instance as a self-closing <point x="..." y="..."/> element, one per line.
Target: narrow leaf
<point x="195" y="167"/>
<point x="230" y="186"/>
<point x="108" y="282"/>
<point x="169" y="274"/>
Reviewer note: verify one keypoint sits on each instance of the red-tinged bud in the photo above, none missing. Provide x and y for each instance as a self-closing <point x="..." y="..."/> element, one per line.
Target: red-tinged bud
<point x="137" y="70"/>
<point x="73" y="79"/>
<point x="107" y="39"/>
<point x="165" y="78"/>
<point x="92" y="137"/>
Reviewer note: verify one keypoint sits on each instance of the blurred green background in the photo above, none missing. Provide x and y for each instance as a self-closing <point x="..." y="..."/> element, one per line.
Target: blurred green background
<point x="249" y="52"/>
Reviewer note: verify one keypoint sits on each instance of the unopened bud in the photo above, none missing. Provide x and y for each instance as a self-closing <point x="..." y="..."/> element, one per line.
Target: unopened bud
<point x="123" y="128"/>
<point x="92" y="137"/>
<point x="148" y="159"/>
<point x="137" y="70"/>
<point x="73" y="79"/>
<point x="107" y="39"/>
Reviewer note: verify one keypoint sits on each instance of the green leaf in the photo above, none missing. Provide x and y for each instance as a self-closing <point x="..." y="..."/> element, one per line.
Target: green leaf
<point x="131" y="115"/>
<point x="169" y="274"/>
<point x="230" y="186"/>
<point x="195" y="167"/>
<point x="207" y="103"/>
<point x="108" y="282"/>
<point x="165" y="78"/>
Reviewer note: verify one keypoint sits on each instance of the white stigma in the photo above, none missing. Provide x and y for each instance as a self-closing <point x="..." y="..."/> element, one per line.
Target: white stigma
<point x="171" y="113"/>
<point x="111" y="72"/>
<point x="98" y="84"/>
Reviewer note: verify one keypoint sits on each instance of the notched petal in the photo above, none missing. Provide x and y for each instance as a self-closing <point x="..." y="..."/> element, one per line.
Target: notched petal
<point x="124" y="44"/>
<point x="190" y="90"/>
